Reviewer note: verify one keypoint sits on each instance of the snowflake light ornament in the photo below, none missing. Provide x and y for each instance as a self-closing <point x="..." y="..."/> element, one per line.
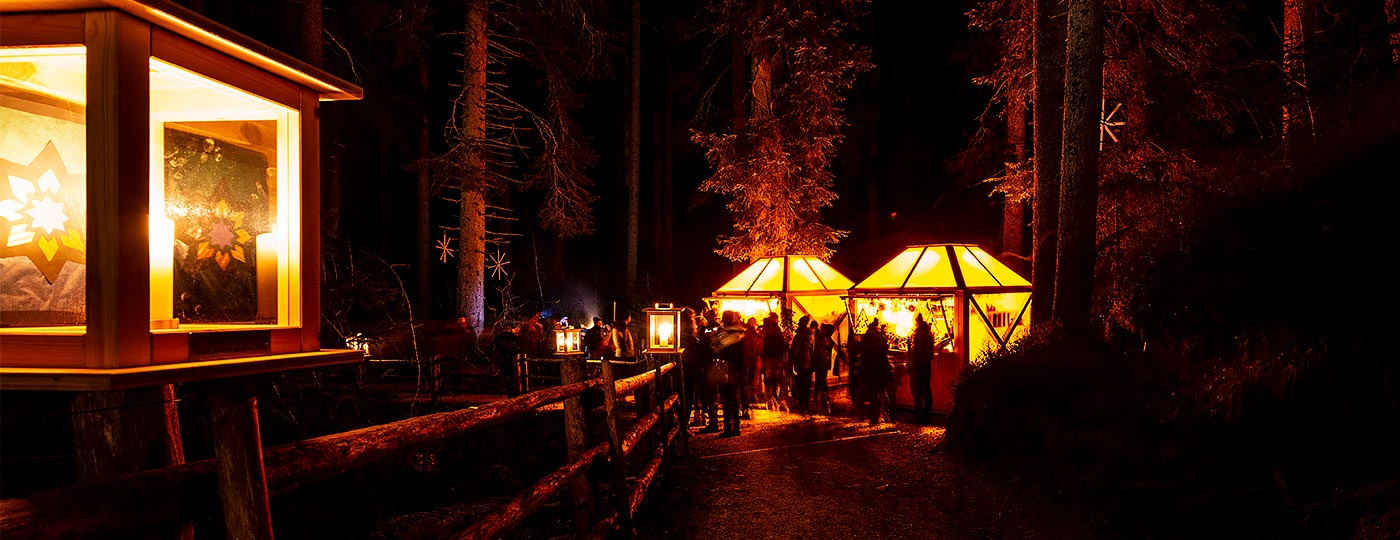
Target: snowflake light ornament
<point x="496" y="263"/>
<point x="444" y="247"/>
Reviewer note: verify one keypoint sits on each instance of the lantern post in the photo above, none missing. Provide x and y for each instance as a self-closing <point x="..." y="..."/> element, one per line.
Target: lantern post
<point x="664" y="344"/>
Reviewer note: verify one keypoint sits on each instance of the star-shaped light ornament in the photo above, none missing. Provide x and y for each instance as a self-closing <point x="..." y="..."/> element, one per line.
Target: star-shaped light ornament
<point x="496" y="263"/>
<point x="444" y="247"/>
<point x="41" y="218"/>
<point x="223" y="236"/>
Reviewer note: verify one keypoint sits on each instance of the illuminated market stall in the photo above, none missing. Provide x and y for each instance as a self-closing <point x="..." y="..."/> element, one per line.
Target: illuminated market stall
<point x="973" y="303"/>
<point x="801" y="284"/>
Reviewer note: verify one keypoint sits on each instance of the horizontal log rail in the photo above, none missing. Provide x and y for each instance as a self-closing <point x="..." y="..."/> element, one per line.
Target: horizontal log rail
<point x="157" y="497"/>
<point x="532" y="499"/>
<point x="648" y="474"/>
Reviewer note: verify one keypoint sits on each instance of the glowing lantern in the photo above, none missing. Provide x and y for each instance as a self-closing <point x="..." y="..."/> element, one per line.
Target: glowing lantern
<point x="663" y="328"/>
<point x="167" y="213"/>
<point x="568" y="341"/>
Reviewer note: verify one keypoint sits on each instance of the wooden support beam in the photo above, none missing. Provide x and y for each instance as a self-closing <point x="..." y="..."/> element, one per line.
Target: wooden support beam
<point x="576" y="440"/>
<point x="616" y="456"/>
<point x="238" y="464"/>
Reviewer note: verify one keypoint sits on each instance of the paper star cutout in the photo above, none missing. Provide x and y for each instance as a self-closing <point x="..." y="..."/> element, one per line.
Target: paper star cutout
<point x="37" y="220"/>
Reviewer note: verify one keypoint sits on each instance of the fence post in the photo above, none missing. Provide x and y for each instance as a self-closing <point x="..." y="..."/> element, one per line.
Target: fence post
<point x="576" y="440"/>
<point x="621" y="496"/>
<point x="238" y="463"/>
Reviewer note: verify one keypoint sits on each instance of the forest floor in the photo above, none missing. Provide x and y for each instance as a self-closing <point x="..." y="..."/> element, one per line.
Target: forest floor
<point x="794" y="476"/>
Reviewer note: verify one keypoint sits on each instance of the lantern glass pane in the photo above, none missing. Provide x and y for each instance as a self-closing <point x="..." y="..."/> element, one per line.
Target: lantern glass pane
<point x="663" y="331"/>
<point x="226" y="178"/>
<point x="43" y="187"/>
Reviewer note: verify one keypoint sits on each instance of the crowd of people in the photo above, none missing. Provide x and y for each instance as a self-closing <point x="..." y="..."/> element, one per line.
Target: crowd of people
<point x="731" y="366"/>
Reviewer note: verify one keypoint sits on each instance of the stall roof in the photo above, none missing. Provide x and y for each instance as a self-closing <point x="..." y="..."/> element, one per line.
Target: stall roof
<point x="786" y="274"/>
<point x="192" y="25"/>
<point x="942" y="267"/>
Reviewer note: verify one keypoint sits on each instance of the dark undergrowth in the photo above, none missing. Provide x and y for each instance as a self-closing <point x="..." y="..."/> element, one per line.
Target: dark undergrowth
<point x="1261" y="401"/>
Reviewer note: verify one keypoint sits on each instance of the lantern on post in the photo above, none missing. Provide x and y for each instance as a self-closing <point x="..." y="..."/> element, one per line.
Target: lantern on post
<point x="663" y="328"/>
<point x="568" y="341"/>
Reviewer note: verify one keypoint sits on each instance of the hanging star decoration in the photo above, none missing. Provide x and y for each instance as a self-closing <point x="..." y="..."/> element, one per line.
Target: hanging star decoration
<point x="1107" y="123"/>
<point x="223" y="236"/>
<point x="444" y="247"/>
<point x="40" y="219"/>
<point x="496" y="263"/>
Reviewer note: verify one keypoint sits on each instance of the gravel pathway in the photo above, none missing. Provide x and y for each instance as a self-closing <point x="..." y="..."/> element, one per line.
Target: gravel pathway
<point x="797" y="477"/>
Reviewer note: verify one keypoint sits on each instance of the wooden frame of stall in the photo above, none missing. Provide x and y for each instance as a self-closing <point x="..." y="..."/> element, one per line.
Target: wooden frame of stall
<point x="122" y="363"/>
<point x="972" y="300"/>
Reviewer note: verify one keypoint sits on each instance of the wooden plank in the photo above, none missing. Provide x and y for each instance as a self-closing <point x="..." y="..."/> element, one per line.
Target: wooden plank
<point x="170" y="348"/>
<point x="310" y="222"/>
<point x="238" y="464"/>
<point x="30" y="29"/>
<point x="189" y="54"/>
<point x="118" y="178"/>
<point x="62" y="351"/>
<point x="24" y="378"/>
<point x="286" y="340"/>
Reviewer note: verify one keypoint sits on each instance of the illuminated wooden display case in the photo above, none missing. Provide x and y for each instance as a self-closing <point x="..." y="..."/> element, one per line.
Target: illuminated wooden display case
<point x="159" y="202"/>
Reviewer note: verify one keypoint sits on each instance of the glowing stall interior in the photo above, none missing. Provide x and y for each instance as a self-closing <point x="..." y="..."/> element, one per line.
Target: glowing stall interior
<point x="973" y="303"/>
<point x="803" y="284"/>
<point x="154" y="165"/>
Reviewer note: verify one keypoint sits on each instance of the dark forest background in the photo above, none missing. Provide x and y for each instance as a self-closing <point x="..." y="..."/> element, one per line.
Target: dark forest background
<point x="906" y="119"/>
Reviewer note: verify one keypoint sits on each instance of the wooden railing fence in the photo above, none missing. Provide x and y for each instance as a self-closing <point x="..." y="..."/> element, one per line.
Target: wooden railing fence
<point x="159" y="498"/>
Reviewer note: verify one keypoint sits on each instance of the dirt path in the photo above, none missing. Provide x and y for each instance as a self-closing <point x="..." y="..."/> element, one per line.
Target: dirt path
<point x="816" y="477"/>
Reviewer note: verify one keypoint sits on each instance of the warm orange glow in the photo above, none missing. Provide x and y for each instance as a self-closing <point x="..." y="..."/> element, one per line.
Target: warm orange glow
<point x="162" y="238"/>
<point x="802" y="273"/>
<point x="750" y="307"/>
<point x="225" y="170"/>
<point x="567" y="340"/>
<point x="663" y="325"/>
<point x="930" y="267"/>
<point x="43" y="188"/>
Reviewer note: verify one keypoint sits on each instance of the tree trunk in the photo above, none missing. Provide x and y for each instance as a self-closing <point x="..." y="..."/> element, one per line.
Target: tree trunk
<point x="1079" y="178"/>
<point x="311" y="32"/>
<point x="666" y="254"/>
<point x="1297" y="112"/>
<point x="1048" y="121"/>
<point x="1013" y="215"/>
<point x="471" y="262"/>
<point x="634" y="141"/>
<point x="423" y="198"/>
<point x="1392" y="21"/>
